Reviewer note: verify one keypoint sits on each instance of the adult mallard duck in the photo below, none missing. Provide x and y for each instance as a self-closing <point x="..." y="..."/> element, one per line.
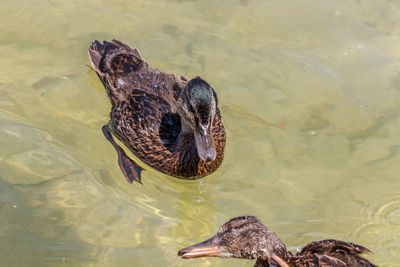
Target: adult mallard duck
<point x="171" y="124"/>
<point x="247" y="238"/>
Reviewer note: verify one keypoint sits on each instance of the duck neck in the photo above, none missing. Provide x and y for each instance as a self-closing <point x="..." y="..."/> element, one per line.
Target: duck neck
<point x="185" y="136"/>
<point x="274" y="246"/>
<point x="185" y="128"/>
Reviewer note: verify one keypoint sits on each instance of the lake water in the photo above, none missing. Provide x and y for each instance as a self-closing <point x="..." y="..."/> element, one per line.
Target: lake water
<point x="309" y="92"/>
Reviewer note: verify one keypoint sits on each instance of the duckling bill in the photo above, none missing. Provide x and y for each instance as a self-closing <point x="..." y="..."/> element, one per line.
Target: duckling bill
<point x="172" y="124"/>
<point x="247" y="237"/>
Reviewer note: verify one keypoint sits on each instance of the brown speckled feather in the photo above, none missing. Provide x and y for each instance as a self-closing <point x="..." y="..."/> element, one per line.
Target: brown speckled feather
<point x="143" y="114"/>
<point x="323" y="253"/>
<point x="336" y="252"/>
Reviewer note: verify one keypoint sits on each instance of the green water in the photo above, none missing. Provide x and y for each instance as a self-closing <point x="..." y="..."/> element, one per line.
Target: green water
<point x="309" y="93"/>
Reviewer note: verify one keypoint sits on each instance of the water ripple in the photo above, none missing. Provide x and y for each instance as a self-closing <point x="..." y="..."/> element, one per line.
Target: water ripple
<point x="382" y="224"/>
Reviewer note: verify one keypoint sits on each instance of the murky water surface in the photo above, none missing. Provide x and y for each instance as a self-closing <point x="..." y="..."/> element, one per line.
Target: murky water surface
<point x="310" y="96"/>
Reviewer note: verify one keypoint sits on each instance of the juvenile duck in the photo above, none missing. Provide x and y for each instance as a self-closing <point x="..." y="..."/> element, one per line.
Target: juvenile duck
<point x="247" y="238"/>
<point x="171" y="124"/>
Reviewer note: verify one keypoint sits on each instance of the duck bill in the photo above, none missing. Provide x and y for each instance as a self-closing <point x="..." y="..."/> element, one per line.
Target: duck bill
<point x="205" y="143"/>
<point x="204" y="249"/>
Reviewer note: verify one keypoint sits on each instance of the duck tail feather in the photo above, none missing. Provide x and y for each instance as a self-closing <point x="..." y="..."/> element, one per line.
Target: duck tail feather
<point x="96" y="52"/>
<point x="107" y="50"/>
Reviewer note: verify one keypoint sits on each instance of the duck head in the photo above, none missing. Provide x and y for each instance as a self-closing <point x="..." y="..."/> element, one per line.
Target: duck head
<point x="197" y="107"/>
<point x="241" y="237"/>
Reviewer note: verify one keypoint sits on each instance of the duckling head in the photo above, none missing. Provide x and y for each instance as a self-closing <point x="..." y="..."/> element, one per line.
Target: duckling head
<point x="197" y="107"/>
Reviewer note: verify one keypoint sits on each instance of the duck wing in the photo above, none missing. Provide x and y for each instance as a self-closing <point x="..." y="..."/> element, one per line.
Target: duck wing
<point x="143" y="99"/>
<point x="318" y="260"/>
<point x="330" y="249"/>
<point x="146" y="124"/>
<point x="309" y="260"/>
<point x="117" y="65"/>
<point x="134" y="86"/>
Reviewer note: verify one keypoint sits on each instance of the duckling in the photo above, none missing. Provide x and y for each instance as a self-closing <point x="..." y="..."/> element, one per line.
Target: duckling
<point x="247" y="237"/>
<point x="171" y="124"/>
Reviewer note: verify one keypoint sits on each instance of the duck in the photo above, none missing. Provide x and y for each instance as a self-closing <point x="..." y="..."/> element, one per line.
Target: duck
<point x="170" y="123"/>
<point x="246" y="237"/>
